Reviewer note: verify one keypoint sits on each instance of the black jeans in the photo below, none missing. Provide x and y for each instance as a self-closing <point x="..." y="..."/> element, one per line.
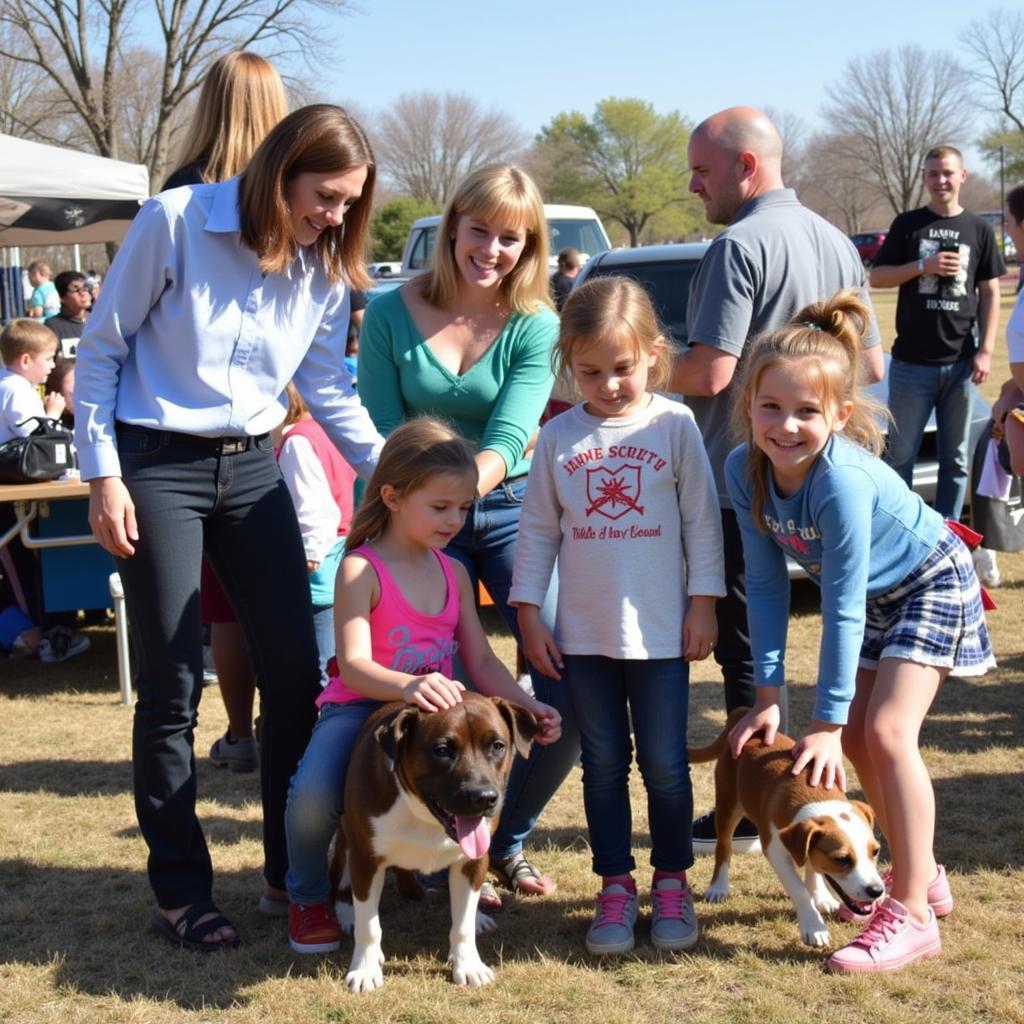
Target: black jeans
<point x="732" y="651"/>
<point x="189" y="496"/>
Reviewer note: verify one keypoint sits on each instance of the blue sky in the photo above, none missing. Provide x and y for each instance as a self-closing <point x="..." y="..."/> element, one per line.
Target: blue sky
<point x="534" y="58"/>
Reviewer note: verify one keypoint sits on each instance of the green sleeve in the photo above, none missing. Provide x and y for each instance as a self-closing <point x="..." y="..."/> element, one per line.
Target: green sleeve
<point x="379" y="386"/>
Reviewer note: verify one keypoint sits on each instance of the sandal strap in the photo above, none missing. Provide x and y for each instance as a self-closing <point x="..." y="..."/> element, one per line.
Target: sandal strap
<point x="194" y="932"/>
<point x="514" y="869"/>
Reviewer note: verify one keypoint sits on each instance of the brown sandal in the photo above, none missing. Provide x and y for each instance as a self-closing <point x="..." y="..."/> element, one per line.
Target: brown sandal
<point x="513" y="871"/>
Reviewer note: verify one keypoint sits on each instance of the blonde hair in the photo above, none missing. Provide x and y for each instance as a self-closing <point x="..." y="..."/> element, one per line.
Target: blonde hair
<point x="494" y="192"/>
<point x="826" y="338"/>
<point x="297" y="408"/>
<point x="318" y="139"/>
<point x="242" y="98"/>
<point x="608" y="309"/>
<point x="413" y="454"/>
<point x="25" y="336"/>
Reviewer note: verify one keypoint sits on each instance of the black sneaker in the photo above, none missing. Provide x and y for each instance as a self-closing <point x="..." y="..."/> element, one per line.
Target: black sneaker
<point x="744" y="839"/>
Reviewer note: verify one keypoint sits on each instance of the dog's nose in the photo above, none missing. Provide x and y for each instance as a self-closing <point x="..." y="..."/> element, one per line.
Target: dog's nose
<point x="875" y="890"/>
<point x="483" y="798"/>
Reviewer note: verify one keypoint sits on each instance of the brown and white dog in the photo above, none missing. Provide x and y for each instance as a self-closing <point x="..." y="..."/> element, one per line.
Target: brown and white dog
<point x="801" y="826"/>
<point x="423" y="792"/>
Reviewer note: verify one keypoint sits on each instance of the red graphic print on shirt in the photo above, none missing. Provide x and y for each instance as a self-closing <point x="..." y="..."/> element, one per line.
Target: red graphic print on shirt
<point x="613" y="492"/>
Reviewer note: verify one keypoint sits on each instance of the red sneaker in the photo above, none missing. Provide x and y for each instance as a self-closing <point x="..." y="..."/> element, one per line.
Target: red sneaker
<point x="891" y="940"/>
<point x="313" y="928"/>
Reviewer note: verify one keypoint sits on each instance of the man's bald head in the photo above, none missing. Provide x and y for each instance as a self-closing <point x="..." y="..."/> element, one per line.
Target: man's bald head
<point x="735" y="155"/>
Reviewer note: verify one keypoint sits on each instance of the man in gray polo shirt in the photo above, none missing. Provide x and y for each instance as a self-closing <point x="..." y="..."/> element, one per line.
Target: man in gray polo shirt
<point x="774" y="257"/>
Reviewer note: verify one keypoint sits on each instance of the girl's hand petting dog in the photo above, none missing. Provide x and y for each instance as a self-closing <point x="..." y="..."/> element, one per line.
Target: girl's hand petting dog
<point x="821" y="748"/>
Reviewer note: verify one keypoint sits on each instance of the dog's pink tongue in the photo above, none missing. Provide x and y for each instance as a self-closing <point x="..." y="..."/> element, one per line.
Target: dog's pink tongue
<point x="473" y="835"/>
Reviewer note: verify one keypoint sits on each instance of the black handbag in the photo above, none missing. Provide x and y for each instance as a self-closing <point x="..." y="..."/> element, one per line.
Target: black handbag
<point x="43" y="455"/>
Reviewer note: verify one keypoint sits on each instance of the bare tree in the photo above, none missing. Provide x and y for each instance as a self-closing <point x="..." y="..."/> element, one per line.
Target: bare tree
<point x="81" y="46"/>
<point x="793" y="131"/>
<point x="889" y="108"/>
<point x="996" y="43"/>
<point x="427" y="142"/>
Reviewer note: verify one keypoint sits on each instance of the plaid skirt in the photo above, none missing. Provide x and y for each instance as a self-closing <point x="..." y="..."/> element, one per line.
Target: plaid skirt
<point x="933" y="616"/>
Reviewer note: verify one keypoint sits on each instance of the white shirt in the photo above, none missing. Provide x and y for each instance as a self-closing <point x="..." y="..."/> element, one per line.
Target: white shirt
<point x="317" y="511"/>
<point x="189" y="335"/>
<point x="19" y="401"/>
<point x="1015" y="331"/>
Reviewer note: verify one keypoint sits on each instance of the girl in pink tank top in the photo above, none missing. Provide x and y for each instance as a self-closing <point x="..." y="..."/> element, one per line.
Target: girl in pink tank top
<point x="401" y="610"/>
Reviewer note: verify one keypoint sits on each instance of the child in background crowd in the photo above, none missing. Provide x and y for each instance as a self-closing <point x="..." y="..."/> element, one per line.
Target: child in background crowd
<point x="901" y="604"/>
<point x="44" y="301"/>
<point x="622" y="495"/>
<point x="402" y="610"/>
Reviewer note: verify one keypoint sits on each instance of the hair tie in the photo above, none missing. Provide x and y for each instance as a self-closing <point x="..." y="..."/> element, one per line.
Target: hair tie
<point x="813" y="327"/>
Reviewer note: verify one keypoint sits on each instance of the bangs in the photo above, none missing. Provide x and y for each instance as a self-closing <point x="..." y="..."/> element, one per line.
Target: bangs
<point x="506" y="205"/>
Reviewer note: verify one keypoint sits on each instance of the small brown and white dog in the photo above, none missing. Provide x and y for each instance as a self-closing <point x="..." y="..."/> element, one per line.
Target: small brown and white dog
<point x="801" y="827"/>
<point x="423" y="792"/>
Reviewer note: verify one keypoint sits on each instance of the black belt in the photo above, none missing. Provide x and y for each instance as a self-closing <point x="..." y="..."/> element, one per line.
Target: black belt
<point x="222" y="445"/>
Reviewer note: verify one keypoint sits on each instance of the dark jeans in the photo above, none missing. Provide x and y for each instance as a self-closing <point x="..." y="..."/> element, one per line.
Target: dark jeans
<point x="732" y="651"/>
<point x="486" y="546"/>
<point x="190" y="497"/>
<point x="607" y="693"/>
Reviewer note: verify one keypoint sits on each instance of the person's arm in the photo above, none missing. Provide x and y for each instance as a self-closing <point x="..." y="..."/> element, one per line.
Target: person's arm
<point x="988" y="323"/>
<point x="356" y="591"/>
<point x="523" y="394"/>
<point x="1010" y="396"/>
<point x="487" y="671"/>
<point x="943" y="264"/>
<point x="315" y="507"/>
<point x="325" y="383"/>
<point x="718" y="320"/>
<point x="380" y="386"/>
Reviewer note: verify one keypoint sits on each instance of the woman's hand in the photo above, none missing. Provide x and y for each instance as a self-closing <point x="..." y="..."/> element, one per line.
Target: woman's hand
<point x="822" y="749"/>
<point x="433" y="692"/>
<point x="763" y="717"/>
<point x="700" y="628"/>
<point x="538" y="644"/>
<point x="549" y="722"/>
<point x="112" y="516"/>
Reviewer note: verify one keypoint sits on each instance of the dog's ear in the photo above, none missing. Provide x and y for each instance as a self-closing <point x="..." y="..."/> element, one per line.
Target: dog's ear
<point x="865" y="809"/>
<point x="800" y="837"/>
<point x="522" y="726"/>
<point x="393" y="730"/>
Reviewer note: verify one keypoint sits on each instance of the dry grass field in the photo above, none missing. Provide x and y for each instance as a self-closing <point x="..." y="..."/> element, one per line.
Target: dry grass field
<point x="75" y="905"/>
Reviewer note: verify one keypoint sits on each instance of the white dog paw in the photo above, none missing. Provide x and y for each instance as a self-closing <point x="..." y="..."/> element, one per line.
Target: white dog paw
<point x="716" y="894"/>
<point x="826" y="903"/>
<point x="817" y="937"/>
<point x="364" y="973"/>
<point x="485" y="923"/>
<point x="471" y="971"/>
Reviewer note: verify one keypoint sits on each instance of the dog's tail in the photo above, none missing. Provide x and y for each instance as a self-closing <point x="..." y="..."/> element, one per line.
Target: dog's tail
<point x="698" y="755"/>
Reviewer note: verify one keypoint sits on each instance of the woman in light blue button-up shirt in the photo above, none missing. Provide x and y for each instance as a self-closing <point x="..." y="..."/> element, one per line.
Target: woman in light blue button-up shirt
<point x="220" y="295"/>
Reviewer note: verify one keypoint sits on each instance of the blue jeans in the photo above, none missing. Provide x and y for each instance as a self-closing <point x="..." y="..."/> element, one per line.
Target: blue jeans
<point x="188" y="497"/>
<point x="914" y="390"/>
<point x="655" y="692"/>
<point x="486" y="546"/>
<point x="315" y="798"/>
<point x="323" y="628"/>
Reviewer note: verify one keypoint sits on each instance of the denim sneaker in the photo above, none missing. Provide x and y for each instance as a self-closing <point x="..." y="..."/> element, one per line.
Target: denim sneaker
<point x="238" y="755"/>
<point x="891" y="941"/>
<point x="61" y="643"/>
<point x="614" y="921"/>
<point x="673" y="919"/>
<point x="744" y="837"/>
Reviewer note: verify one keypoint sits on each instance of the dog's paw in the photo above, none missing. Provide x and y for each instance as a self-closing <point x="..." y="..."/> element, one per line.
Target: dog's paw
<point x="816" y="937"/>
<point x="716" y="893"/>
<point x="365" y="972"/>
<point x="825" y="902"/>
<point x="485" y="923"/>
<point x="469" y="970"/>
<point x="345" y="915"/>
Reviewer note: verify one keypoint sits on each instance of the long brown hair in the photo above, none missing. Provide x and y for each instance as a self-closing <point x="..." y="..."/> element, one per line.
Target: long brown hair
<point x="606" y="309"/>
<point x="827" y="339"/>
<point x="319" y="139"/>
<point x="242" y="98"/>
<point x="495" y="191"/>
<point x="414" y="452"/>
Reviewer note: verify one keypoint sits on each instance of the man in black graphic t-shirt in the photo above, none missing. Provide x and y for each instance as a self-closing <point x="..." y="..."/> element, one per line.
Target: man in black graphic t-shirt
<point x="947" y="266"/>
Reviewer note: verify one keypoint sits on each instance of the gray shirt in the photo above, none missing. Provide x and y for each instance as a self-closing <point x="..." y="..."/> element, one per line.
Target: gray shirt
<point x="771" y="261"/>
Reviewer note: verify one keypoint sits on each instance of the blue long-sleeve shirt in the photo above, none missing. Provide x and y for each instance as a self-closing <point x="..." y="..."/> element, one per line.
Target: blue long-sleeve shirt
<point x="856" y="529"/>
<point x="189" y="335"/>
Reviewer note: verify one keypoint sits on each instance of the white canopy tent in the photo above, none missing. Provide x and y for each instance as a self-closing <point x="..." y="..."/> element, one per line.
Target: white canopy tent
<point x="55" y="196"/>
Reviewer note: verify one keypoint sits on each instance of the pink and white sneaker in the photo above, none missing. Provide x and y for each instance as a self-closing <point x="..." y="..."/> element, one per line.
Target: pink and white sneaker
<point x="940" y="898"/>
<point x="891" y="941"/>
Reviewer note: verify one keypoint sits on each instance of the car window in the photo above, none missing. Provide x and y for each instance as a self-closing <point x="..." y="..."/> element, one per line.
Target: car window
<point x="422" y="249"/>
<point x="576" y="234"/>
<point x="668" y="285"/>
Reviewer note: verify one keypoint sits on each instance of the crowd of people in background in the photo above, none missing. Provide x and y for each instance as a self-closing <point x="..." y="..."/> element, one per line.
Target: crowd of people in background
<point x="221" y="433"/>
